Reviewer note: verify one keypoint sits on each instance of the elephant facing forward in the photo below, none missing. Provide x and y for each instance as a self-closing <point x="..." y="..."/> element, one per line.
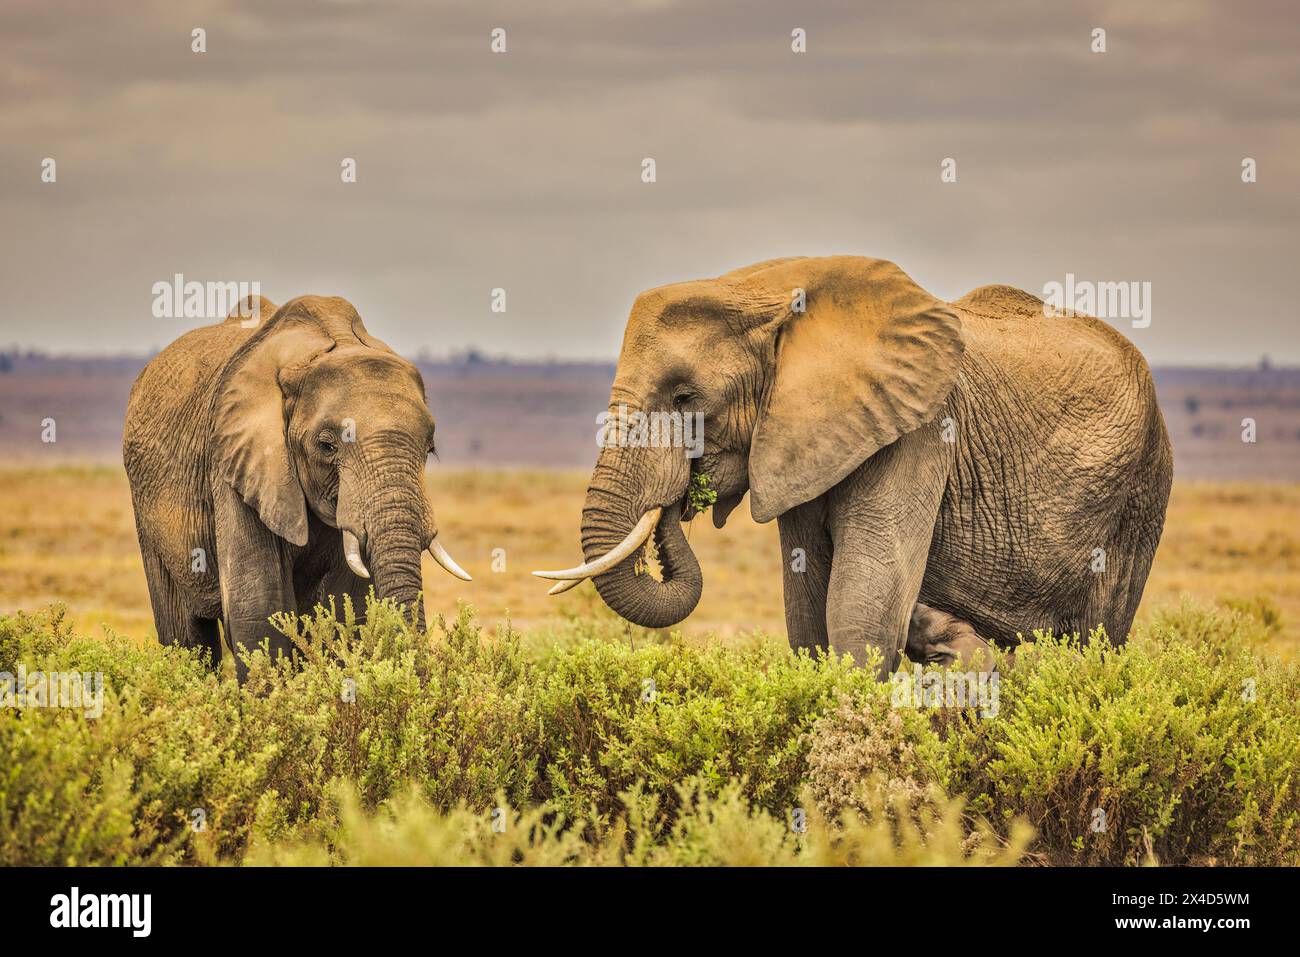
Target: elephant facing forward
<point x="273" y="463"/>
<point x="999" y="466"/>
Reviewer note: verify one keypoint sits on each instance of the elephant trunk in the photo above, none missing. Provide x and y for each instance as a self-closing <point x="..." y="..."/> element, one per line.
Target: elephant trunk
<point x="626" y="484"/>
<point x="383" y="505"/>
<point x="395" y="546"/>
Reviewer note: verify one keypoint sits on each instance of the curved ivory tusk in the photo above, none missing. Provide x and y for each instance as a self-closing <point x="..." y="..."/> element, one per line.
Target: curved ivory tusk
<point x="560" y="587"/>
<point x="352" y="552"/>
<point x="441" y="556"/>
<point x="635" y="539"/>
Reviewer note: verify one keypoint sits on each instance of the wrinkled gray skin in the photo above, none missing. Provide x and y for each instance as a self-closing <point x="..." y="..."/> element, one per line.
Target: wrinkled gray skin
<point x="968" y="455"/>
<point x="236" y="444"/>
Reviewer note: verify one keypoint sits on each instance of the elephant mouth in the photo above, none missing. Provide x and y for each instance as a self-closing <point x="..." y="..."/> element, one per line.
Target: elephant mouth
<point x="647" y="550"/>
<point x="635" y="549"/>
<point x="675" y="516"/>
<point x="654" y="557"/>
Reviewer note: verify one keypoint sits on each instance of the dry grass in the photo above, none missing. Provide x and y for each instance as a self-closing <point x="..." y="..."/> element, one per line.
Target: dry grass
<point x="67" y="534"/>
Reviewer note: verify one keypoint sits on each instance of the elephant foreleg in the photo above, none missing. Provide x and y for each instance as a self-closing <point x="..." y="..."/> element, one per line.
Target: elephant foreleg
<point x="176" y="624"/>
<point x="806" y="574"/>
<point x="256" y="578"/>
<point x="338" y="582"/>
<point x="882" y="520"/>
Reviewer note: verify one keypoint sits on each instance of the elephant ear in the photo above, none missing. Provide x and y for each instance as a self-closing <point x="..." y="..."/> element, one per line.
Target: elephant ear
<point x="249" y="420"/>
<point x="872" y="357"/>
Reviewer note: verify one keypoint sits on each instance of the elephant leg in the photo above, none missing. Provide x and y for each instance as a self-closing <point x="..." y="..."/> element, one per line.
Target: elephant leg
<point x="1138" y="533"/>
<point x="338" y="582"/>
<point x="936" y="637"/>
<point x="176" y="624"/>
<point x="322" y="573"/>
<point x="805" y="574"/>
<point x="882" y="520"/>
<point x="169" y="616"/>
<point x="256" y="578"/>
<point x="209" y="637"/>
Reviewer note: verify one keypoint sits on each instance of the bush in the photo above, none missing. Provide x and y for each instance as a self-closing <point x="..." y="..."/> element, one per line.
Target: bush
<point x="1184" y="746"/>
<point x="709" y="830"/>
<point x="120" y="788"/>
<point x="386" y="745"/>
<point x="866" y="756"/>
<point x="614" y="715"/>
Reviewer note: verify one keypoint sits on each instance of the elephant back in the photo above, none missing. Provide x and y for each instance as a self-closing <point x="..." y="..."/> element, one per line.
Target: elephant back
<point x="999" y="300"/>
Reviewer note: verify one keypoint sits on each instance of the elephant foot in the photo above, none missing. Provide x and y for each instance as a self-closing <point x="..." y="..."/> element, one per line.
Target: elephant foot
<point x="936" y="637"/>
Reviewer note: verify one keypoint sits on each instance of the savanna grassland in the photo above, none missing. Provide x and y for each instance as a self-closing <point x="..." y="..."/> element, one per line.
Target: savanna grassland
<point x="599" y="743"/>
<point x="67" y="535"/>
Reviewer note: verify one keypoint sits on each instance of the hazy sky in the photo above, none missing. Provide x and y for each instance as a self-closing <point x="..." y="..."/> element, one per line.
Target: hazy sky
<point x="522" y="170"/>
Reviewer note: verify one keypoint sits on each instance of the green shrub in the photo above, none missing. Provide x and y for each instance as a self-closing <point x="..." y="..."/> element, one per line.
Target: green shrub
<point x="121" y="788"/>
<point x="724" y="829"/>
<point x="609" y="747"/>
<point x="1184" y="745"/>
<point x="662" y="714"/>
<point x="408" y="831"/>
<point x="382" y="705"/>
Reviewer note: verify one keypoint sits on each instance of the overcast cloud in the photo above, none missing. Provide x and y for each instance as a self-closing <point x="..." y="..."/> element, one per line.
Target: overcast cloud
<point x="522" y="170"/>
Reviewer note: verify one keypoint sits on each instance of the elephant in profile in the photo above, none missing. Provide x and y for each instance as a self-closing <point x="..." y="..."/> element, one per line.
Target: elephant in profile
<point x="274" y="461"/>
<point x="1007" y="469"/>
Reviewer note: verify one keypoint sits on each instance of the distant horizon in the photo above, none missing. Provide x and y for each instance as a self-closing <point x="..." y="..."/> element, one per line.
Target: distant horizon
<point x="530" y="412"/>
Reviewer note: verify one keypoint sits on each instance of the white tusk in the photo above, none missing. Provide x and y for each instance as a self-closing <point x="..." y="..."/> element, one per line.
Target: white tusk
<point x="560" y="587"/>
<point x="352" y="552"/>
<point x="635" y="539"/>
<point x="441" y="556"/>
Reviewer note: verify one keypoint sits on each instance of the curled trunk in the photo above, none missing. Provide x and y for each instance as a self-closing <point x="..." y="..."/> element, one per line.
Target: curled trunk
<point x="625" y="485"/>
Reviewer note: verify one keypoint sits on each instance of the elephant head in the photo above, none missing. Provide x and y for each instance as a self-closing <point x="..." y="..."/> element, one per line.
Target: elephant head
<point x="313" y="414"/>
<point x="801" y="370"/>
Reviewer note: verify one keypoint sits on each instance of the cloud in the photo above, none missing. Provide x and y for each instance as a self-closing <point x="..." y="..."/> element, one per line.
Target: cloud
<point x="522" y="170"/>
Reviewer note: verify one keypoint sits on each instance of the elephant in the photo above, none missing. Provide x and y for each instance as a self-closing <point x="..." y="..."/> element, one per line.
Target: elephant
<point x="979" y="457"/>
<point x="936" y="637"/>
<point x="277" y="458"/>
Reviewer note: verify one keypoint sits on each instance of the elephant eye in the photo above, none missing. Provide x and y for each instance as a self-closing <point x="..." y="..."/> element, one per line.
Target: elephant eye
<point x="682" y="396"/>
<point x="325" y="442"/>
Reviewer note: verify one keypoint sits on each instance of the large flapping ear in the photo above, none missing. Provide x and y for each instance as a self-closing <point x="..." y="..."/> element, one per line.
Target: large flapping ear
<point x="872" y="357"/>
<point x="249" y="442"/>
